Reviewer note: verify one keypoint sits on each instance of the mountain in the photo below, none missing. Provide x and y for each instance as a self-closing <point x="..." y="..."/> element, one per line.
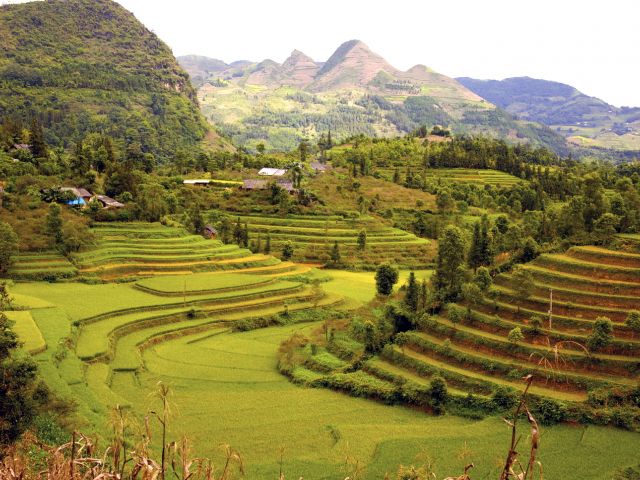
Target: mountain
<point x="585" y="120"/>
<point x="83" y="66"/>
<point x="352" y="65"/>
<point x="199" y="67"/>
<point x="299" y="69"/>
<point x="355" y="91"/>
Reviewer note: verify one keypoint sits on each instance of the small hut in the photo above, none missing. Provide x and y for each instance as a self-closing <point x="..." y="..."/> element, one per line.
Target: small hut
<point x="210" y="232"/>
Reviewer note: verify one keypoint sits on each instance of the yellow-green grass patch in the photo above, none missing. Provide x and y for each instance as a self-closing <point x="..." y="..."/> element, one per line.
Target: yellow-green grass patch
<point x="27" y="330"/>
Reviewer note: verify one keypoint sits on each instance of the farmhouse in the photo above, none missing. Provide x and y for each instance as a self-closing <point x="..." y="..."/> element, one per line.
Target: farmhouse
<point x="108" y="202"/>
<point x="210" y="232"/>
<point x="82" y="196"/>
<point x="272" y="172"/>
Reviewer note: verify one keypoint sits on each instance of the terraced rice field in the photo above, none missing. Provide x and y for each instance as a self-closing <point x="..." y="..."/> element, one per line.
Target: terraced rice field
<point x="144" y="249"/>
<point x="42" y="266"/>
<point x="314" y="237"/>
<point x="494" y="178"/>
<point x="227" y="389"/>
<point x="476" y="356"/>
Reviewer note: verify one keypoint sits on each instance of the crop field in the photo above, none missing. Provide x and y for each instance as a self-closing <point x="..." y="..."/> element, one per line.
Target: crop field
<point x="114" y="341"/>
<point x="42" y="266"/>
<point x="313" y="239"/>
<point x="146" y="249"/>
<point x="474" y="354"/>
<point x="108" y="344"/>
<point x="494" y="178"/>
<point x="227" y="390"/>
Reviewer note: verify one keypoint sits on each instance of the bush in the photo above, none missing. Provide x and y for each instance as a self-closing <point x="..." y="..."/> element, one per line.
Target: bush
<point x="505" y="398"/>
<point x="549" y="412"/>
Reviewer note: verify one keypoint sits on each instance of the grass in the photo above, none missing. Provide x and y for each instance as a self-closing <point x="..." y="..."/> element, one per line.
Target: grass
<point x="361" y="286"/>
<point x="227" y="389"/>
<point x="27" y="330"/>
<point x="312" y="239"/>
<point x="200" y="283"/>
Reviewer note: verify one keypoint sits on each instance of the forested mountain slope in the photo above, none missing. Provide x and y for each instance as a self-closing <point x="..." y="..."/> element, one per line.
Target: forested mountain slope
<point x="81" y="66"/>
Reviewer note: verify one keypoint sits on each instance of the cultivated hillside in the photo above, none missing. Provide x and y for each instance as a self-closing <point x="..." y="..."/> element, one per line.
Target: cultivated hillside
<point x="585" y="120"/>
<point x="355" y="91"/>
<point x="82" y="66"/>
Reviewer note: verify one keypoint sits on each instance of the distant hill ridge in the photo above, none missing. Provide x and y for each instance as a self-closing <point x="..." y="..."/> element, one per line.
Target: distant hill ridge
<point x="356" y="91"/>
<point x="583" y="119"/>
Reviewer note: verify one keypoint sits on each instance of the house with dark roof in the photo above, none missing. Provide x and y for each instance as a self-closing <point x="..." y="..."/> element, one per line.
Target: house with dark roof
<point x="210" y="232"/>
<point x="82" y="196"/>
<point x="108" y="202"/>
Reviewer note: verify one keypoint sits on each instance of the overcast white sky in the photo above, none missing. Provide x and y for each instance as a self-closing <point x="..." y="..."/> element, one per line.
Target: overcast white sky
<point x="592" y="45"/>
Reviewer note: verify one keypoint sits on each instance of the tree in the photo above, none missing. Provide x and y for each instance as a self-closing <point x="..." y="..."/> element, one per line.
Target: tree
<point x="267" y="244"/>
<point x="455" y="313"/>
<point x="8" y="246"/>
<point x="287" y="251"/>
<point x="412" y="295"/>
<point x="474" y="258"/>
<point x="483" y="279"/>
<point x="602" y="334"/>
<point x="386" y="278"/>
<point x="335" y="253"/>
<point x="523" y="284"/>
<point x="480" y="250"/>
<point x="6" y="301"/>
<point x="438" y="394"/>
<point x="195" y="219"/>
<point x="18" y="406"/>
<point x="54" y="224"/>
<point x="224" y="229"/>
<point x="472" y="295"/>
<point x="530" y="250"/>
<point x="38" y="145"/>
<point x="605" y="228"/>
<point x="245" y="235"/>
<point x="362" y="239"/>
<point x="238" y="232"/>
<point x="151" y="202"/>
<point x="515" y="336"/>
<point x="449" y="275"/>
<point x="75" y="235"/>
<point x="633" y="322"/>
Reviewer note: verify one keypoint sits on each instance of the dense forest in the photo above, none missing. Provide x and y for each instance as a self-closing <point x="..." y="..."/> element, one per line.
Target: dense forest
<point x="80" y="67"/>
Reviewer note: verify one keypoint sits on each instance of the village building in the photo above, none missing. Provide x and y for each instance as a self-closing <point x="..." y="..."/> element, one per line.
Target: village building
<point x="210" y="232"/>
<point x="272" y="172"/>
<point x="82" y="196"/>
<point x="108" y="202"/>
